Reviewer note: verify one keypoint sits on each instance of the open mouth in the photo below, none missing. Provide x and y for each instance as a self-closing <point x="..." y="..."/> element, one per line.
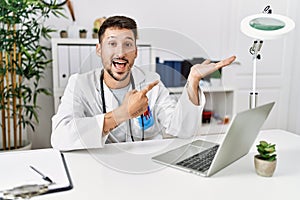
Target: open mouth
<point x="120" y="64"/>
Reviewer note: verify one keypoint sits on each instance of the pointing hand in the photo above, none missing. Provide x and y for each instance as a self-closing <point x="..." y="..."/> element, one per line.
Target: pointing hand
<point x="136" y="102"/>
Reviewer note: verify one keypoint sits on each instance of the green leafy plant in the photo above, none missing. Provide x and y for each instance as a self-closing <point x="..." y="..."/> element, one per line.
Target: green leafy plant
<point x="82" y="31"/>
<point x="23" y="62"/>
<point x="95" y="30"/>
<point x="63" y="34"/>
<point x="266" y="151"/>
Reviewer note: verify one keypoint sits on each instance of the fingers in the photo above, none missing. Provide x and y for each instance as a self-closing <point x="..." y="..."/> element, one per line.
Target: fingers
<point x="131" y="92"/>
<point x="134" y="91"/>
<point x="205" y="62"/>
<point x="149" y="87"/>
<point x="225" y="62"/>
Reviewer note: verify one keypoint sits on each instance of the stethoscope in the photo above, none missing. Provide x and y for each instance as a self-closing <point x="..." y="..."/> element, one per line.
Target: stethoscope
<point x="104" y="105"/>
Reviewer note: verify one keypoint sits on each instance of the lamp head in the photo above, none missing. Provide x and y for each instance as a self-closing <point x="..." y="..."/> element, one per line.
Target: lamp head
<point x="266" y="26"/>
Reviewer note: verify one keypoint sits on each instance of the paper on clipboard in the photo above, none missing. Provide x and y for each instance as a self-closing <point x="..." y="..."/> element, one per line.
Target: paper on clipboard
<point x="15" y="169"/>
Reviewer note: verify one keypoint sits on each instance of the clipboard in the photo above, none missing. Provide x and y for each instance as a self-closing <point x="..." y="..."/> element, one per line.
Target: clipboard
<point x="15" y="169"/>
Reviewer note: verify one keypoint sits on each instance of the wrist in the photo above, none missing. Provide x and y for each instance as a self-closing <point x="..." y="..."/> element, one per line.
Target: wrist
<point x="193" y="83"/>
<point x="192" y="87"/>
<point x="113" y="119"/>
<point x="120" y="115"/>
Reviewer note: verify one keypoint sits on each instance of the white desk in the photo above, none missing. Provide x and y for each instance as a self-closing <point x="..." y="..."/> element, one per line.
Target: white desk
<point x="94" y="180"/>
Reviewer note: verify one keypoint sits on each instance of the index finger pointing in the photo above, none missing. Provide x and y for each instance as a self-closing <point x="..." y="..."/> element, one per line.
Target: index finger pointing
<point x="149" y="87"/>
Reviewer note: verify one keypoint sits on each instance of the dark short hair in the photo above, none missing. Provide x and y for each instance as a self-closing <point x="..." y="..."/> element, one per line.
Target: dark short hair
<point x="117" y="22"/>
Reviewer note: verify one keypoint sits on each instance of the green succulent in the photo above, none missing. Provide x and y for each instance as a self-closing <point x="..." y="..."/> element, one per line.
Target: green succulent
<point x="266" y="151"/>
<point x="95" y="30"/>
<point x="82" y="31"/>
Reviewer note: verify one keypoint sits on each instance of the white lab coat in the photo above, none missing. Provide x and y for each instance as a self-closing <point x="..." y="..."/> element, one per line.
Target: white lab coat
<point x="78" y="123"/>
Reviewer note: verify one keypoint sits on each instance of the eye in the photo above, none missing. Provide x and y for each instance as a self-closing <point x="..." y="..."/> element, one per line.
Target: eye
<point x="129" y="44"/>
<point x="112" y="44"/>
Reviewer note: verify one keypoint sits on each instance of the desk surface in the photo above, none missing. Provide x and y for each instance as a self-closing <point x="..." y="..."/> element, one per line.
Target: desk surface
<point x="125" y="171"/>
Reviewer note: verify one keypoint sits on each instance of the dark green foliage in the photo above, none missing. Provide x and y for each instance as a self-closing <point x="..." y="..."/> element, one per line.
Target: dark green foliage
<point x="22" y="25"/>
<point x="266" y="151"/>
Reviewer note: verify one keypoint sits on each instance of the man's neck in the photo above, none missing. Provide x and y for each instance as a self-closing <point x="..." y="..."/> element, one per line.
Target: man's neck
<point x="114" y="84"/>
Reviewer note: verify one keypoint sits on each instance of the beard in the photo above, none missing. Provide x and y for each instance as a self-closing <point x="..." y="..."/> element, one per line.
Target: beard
<point x="119" y="61"/>
<point x="117" y="79"/>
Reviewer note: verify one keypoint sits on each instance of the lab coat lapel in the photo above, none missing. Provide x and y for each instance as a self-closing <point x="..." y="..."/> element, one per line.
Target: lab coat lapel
<point x="139" y="78"/>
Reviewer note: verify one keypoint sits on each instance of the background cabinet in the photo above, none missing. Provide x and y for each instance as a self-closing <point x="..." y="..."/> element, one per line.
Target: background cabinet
<point x="219" y="100"/>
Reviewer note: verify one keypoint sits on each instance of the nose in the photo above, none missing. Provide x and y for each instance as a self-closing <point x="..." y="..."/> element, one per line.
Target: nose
<point x="120" y="51"/>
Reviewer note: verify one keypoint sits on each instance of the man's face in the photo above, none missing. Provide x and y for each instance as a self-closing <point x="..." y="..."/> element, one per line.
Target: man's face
<point x="118" y="51"/>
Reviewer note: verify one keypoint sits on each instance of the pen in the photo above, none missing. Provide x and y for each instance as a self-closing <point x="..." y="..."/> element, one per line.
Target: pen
<point x="46" y="178"/>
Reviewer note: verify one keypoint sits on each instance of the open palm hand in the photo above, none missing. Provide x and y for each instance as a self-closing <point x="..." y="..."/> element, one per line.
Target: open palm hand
<point x="199" y="71"/>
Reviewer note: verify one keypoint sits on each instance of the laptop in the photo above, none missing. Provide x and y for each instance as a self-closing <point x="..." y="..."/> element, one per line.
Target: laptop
<point x="206" y="158"/>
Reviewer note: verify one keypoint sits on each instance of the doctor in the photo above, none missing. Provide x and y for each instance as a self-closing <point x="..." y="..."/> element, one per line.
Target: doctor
<point x="123" y="103"/>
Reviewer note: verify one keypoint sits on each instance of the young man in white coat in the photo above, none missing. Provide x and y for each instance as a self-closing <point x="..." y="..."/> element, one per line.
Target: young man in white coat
<point x="123" y="103"/>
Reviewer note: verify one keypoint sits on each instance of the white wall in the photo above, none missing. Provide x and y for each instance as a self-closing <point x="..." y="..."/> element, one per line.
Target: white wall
<point x="293" y="109"/>
<point x="214" y="25"/>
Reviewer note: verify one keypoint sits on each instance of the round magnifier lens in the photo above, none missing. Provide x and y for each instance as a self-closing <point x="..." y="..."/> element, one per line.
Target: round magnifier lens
<point x="266" y="24"/>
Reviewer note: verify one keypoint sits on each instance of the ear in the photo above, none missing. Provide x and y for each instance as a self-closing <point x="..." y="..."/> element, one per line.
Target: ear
<point x="98" y="49"/>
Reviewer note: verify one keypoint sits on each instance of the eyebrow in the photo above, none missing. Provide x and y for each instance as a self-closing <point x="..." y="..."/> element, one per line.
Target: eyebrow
<point x="114" y="37"/>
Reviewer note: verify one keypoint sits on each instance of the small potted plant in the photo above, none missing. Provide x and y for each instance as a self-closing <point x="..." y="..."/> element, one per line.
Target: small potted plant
<point x="95" y="33"/>
<point x="63" y="34"/>
<point x="265" y="161"/>
<point x="82" y="33"/>
<point x="97" y="23"/>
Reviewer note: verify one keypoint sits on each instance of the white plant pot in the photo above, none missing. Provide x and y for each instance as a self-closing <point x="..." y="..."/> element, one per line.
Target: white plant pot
<point x="26" y="145"/>
<point x="263" y="167"/>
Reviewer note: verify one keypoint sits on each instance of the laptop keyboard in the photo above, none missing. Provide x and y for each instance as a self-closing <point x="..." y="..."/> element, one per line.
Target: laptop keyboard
<point x="200" y="161"/>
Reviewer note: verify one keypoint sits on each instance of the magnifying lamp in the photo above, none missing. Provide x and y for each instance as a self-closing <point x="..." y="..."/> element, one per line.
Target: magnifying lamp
<point x="264" y="26"/>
